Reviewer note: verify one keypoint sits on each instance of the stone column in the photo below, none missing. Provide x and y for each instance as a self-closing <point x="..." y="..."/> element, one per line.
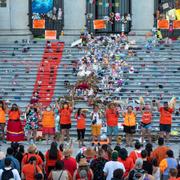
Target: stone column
<point x="142" y="16"/>
<point x="74" y="16"/>
<point x="14" y="20"/>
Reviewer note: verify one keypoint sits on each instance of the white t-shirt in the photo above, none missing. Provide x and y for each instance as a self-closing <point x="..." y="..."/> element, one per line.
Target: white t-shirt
<point x="110" y="167"/>
<point x="95" y="115"/>
<point x="14" y="171"/>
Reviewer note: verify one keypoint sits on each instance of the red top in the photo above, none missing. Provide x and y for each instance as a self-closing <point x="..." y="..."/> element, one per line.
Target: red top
<point x="14" y="115"/>
<point x="128" y="165"/>
<point x="65" y="116"/>
<point x="27" y="156"/>
<point x="166" y="116"/>
<point x="134" y="155"/>
<point x="81" y="121"/>
<point x="70" y="165"/>
<point x="112" y="117"/>
<point x="147" y="117"/>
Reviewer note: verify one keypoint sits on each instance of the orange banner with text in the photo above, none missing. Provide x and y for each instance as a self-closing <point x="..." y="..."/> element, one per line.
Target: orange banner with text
<point x="99" y="24"/>
<point x="163" y="24"/>
<point x="176" y="24"/>
<point x="50" y="34"/>
<point x="39" y="24"/>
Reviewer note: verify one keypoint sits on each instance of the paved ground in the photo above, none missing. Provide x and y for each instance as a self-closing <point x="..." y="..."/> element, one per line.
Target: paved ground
<point x="44" y="147"/>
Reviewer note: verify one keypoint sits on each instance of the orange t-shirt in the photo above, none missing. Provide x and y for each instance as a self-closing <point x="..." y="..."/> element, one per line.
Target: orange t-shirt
<point x="159" y="153"/>
<point x="81" y="121"/>
<point x="166" y="116"/>
<point x="27" y="156"/>
<point x="14" y="115"/>
<point x="48" y="119"/>
<point x="130" y="119"/>
<point x="111" y="117"/>
<point x="135" y="155"/>
<point x="147" y="117"/>
<point x="2" y="116"/>
<point x="65" y="116"/>
<point x="29" y="171"/>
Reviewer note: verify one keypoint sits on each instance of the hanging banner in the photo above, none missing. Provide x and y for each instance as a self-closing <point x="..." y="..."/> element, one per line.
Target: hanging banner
<point x="163" y="24"/>
<point x="99" y="24"/>
<point x="39" y="24"/>
<point x="176" y="24"/>
<point x="50" y="34"/>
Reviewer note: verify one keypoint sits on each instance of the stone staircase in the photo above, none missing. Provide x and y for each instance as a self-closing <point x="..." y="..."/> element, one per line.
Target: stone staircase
<point x="157" y="74"/>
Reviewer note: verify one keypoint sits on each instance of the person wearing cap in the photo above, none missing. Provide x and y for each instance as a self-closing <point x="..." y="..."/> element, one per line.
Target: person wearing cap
<point x="159" y="153"/>
<point x="112" y="165"/>
<point x="129" y="125"/>
<point x="165" y="119"/>
<point x="83" y="171"/>
<point x="112" y="116"/>
<point x="69" y="162"/>
<point x="146" y="121"/>
<point x="32" y="152"/>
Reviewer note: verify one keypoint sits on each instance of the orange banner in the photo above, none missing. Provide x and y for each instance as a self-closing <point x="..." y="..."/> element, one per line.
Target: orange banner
<point x="50" y="34"/>
<point x="39" y="24"/>
<point x="163" y="24"/>
<point x="99" y="24"/>
<point x="176" y="24"/>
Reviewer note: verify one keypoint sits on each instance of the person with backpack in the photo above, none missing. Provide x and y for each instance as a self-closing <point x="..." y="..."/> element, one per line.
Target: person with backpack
<point x="8" y="173"/>
<point x="138" y="171"/>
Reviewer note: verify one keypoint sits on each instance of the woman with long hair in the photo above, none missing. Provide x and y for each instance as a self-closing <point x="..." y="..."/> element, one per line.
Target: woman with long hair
<point x="2" y="119"/>
<point x="32" y="117"/>
<point x="80" y="117"/>
<point x="59" y="173"/>
<point x="15" y="131"/>
<point x="52" y="155"/>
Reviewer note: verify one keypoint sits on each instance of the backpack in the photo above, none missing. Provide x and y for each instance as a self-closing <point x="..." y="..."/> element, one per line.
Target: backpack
<point x="7" y="174"/>
<point x="138" y="173"/>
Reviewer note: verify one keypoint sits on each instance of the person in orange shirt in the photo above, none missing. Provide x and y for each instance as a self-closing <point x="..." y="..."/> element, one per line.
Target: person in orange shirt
<point x="165" y="120"/>
<point x="146" y="122"/>
<point x="65" y="119"/>
<point x="2" y="119"/>
<point x="80" y="117"/>
<point x="31" y="169"/>
<point x="129" y="125"/>
<point x="48" y="123"/>
<point x="112" y="115"/>
<point x="15" y="131"/>
<point x="160" y="152"/>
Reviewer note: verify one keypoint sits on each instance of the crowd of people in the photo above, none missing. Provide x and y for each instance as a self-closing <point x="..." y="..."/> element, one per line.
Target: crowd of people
<point x="100" y="163"/>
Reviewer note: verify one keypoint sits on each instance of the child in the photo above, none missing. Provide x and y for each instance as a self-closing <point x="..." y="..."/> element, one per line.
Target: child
<point x="80" y="116"/>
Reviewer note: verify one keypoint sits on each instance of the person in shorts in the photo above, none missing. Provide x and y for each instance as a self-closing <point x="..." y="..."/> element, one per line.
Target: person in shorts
<point x="129" y="125"/>
<point x="146" y="121"/>
<point x="165" y="119"/>
<point x="96" y="124"/>
<point x="112" y="116"/>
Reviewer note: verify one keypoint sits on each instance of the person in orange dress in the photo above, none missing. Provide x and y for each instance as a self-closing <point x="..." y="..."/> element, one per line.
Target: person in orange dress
<point x="2" y="119"/>
<point x="65" y="119"/>
<point x="146" y="121"/>
<point x="48" y="123"/>
<point x="80" y="117"/>
<point x="15" y="131"/>
<point x="165" y="119"/>
<point x="129" y="125"/>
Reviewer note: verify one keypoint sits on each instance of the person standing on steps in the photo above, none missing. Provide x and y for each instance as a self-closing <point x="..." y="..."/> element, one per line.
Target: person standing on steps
<point x="165" y="119"/>
<point x="65" y="119"/>
<point x="80" y="117"/>
<point x="112" y="116"/>
<point x="129" y="125"/>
